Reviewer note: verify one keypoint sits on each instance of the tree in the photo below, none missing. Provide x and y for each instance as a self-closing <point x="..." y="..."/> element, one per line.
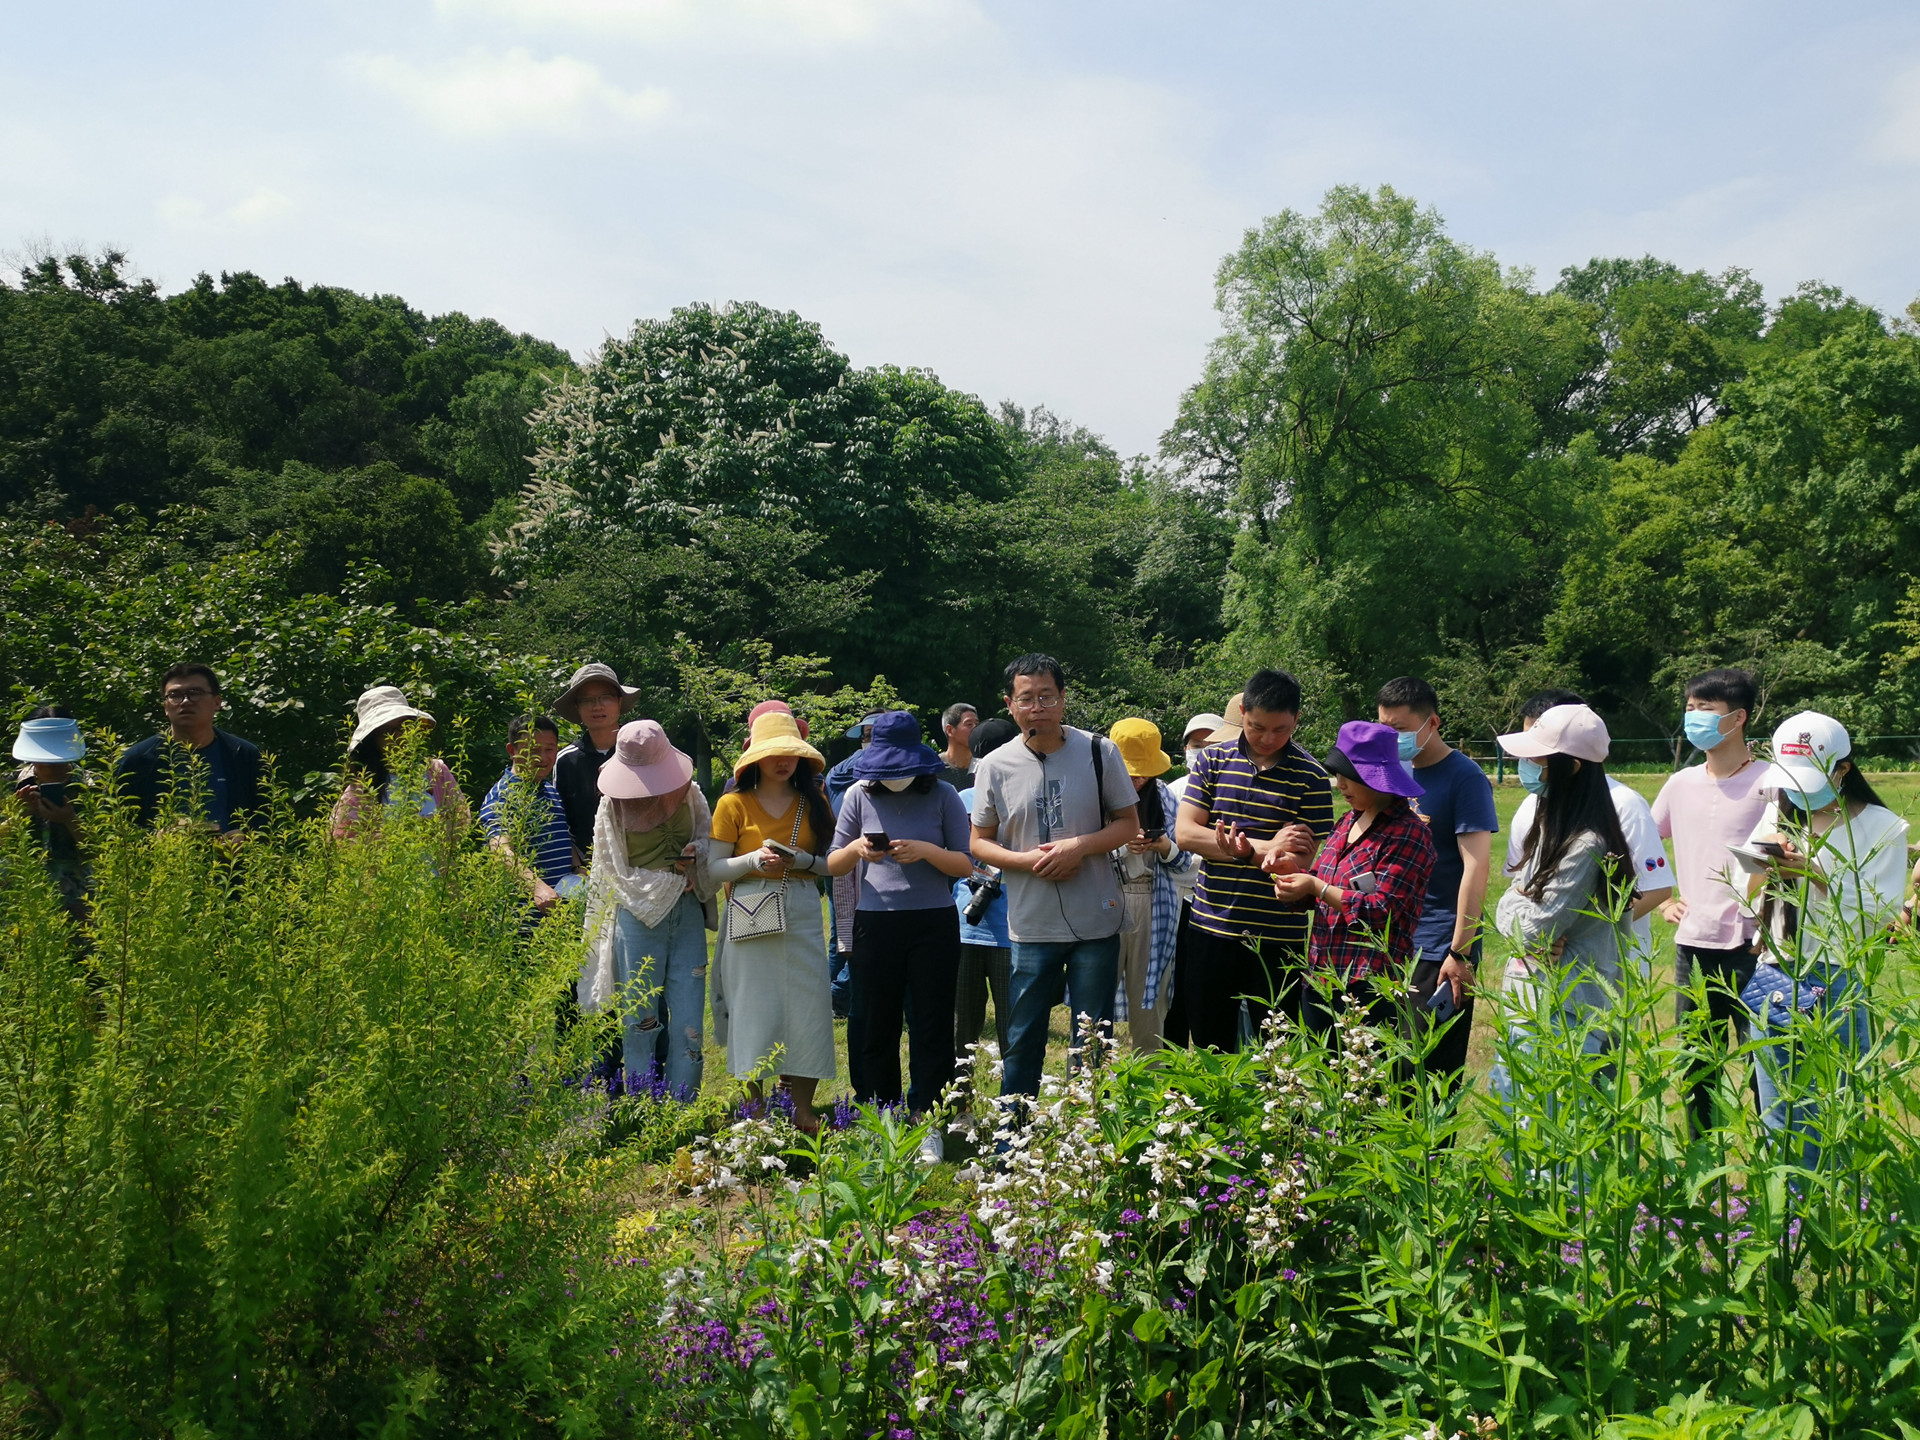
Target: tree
<point x="1666" y="342"/>
<point x="814" y="503"/>
<point x="1371" y="411"/>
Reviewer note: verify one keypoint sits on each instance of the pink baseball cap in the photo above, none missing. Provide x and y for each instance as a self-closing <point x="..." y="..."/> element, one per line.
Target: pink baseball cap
<point x="1564" y="730"/>
<point x="774" y="707"/>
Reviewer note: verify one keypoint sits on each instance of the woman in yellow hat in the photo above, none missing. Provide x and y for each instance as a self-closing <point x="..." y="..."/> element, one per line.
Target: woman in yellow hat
<point x="772" y="998"/>
<point x="1148" y="865"/>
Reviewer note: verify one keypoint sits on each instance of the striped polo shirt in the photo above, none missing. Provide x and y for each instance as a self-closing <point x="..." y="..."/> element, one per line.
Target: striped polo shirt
<point x="531" y="819"/>
<point x="1234" y="897"/>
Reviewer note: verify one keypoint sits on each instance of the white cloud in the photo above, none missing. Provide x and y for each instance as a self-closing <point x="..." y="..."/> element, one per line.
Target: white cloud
<point x="484" y="95"/>
<point x="807" y="24"/>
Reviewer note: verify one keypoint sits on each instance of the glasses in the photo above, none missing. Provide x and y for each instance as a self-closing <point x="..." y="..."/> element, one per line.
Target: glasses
<point x="187" y="697"/>
<point x="1038" y="702"/>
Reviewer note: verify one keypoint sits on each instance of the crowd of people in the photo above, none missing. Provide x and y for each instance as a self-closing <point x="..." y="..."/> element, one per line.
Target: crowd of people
<point x="1034" y="864"/>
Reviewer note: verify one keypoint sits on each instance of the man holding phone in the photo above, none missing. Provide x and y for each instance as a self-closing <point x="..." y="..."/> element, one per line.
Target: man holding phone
<point x="1254" y="798"/>
<point x="1047" y="809"/>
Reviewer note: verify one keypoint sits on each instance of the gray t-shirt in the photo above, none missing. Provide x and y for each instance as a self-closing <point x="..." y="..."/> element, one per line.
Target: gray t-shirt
<point x="1035" y="798"/>
<point x="937" y="817"/>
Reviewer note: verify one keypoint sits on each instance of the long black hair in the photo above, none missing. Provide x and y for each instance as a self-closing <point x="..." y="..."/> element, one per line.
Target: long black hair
<point x="808" y="785"/>
<point x="1574" y="803"/>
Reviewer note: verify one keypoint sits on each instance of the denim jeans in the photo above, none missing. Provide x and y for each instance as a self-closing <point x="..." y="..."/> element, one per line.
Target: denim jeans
<point x="1083" y="972"/>
<point x="665" y="961"/>
<point x="1826" y="995"/>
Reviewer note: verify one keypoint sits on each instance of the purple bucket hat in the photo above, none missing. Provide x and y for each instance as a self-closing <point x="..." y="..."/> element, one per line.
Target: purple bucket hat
<point x="1370" y="753"/>
<point x="896" y="750"/>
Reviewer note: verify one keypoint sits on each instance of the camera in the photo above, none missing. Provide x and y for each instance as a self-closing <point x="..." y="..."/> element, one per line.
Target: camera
<point x="984" y="888"/>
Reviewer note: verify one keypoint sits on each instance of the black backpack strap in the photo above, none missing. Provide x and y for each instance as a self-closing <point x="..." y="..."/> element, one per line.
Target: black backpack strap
<point x="1099" y="777"/>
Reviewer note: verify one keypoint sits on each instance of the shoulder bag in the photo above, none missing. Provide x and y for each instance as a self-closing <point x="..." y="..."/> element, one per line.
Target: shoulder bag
<point x="758" y="907"/>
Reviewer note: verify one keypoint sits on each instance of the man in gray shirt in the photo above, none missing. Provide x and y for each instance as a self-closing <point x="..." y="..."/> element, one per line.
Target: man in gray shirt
<point x="1046" y="812"/>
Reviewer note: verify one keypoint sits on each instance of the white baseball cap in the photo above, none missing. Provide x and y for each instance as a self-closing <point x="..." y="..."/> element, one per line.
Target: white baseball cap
<point x="1206" y="720"/>
<point x="1806" y="747"/>
<point x="1564" y="730"/>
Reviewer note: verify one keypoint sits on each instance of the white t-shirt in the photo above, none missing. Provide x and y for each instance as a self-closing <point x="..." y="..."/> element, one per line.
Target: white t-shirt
<point x="1865" y="862"/>
<point x="1650" y="868"/>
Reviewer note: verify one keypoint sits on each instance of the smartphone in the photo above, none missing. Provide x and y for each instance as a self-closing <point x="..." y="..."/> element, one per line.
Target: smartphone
<point x="785" y="852"/>
<point x="878" y="839"/>
<point x="1770" y="847"/>
<point x="1440" y="1004"/>
<point x="1157" y="832"/>
<point x="54" y="795"/>
<point x="1366" y="882"/>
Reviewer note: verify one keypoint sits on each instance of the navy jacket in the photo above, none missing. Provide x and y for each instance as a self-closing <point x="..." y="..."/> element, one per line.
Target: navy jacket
<point x="145" y="769"/>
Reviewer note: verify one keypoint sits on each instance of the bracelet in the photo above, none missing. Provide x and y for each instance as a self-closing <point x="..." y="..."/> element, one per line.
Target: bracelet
<point x="1321" y="893"/>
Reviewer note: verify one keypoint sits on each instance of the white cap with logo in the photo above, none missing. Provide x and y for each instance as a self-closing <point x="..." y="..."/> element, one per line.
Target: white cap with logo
<point x="1806" y="747"/>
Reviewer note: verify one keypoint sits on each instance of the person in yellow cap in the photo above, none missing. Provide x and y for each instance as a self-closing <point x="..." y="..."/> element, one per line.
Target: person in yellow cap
<point x="1148" y="864"/>
<point x="770" y="990"/>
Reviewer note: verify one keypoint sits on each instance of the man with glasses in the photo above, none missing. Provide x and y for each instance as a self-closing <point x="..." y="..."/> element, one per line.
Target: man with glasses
<point x="1047" y="810"/>
<point x="213" y="775"/>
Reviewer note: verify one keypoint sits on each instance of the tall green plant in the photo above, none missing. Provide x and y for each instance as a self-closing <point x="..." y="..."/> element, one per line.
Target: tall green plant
<point x="288" y="1145"/>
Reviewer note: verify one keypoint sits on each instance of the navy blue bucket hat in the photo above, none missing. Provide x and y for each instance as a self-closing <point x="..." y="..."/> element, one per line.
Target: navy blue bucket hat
<point x="896" y="751"/>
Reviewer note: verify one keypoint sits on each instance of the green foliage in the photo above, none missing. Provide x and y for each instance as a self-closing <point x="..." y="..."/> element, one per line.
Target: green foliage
<point x="98" y="609"/>
<point x="112" y="394"/>
<point x="1784" y="538"/>
<point x="1373" y="413"/>
<point x="287" y="1147"/>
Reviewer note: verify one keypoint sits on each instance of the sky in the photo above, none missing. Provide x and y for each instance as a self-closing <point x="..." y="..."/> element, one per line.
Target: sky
<point x="1029" y="199"/>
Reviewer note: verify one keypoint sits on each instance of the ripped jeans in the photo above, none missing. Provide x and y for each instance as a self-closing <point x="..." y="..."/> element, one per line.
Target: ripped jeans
<point x="669" y="961"/>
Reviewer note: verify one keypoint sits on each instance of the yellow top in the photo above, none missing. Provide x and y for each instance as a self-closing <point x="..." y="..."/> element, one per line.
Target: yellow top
<point x="740" y="818"/>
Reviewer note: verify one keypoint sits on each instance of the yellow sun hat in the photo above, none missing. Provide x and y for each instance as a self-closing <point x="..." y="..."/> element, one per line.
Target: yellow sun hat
<point x="1139" y="742"/>
<point x="776" y="734"/>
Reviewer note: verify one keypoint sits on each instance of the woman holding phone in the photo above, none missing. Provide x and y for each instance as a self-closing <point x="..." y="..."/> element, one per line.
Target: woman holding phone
<point x="1569" y="911"/>
<point x="772" y="1000"/>
<point x="1828" y="865"/>
<point x="646" y="923"/>
<point x="906" y="832"/>
<point x="1367" y="884"/>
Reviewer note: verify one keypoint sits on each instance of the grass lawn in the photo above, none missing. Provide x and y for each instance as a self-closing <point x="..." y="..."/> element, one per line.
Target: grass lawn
<point x="1900" y="790"/>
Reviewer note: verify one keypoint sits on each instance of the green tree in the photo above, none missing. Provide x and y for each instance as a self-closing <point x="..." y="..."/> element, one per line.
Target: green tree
<point x="1372" y="414"/>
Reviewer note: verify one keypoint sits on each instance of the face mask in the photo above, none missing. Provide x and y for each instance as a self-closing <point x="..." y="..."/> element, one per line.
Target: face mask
<point x="898" y="785"/>
<point x="1703" y="729"/>
<point x="1812" y="800"/>
<point x="1193" y="756"/>
<point x="1409" y="744"/>
<point x="1532" y="777"/>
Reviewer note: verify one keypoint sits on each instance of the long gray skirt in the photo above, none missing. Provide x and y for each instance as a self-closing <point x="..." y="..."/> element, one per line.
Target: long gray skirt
<point x="778" y="995"/>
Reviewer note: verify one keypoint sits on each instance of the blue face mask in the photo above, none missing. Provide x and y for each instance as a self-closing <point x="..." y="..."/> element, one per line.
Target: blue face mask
<point x="1409" y="744"/>
<point x="1703" y="729"/>
<point x="1533" y="777"/>
<point x="1813" y="800"/>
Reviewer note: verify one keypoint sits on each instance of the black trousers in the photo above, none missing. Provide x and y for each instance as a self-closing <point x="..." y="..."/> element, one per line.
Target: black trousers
<point x="905" y="963"/>
<point x="1221" y="972"/>
<point x="1448" y="1058"/>
<point x="1726" y="973"/>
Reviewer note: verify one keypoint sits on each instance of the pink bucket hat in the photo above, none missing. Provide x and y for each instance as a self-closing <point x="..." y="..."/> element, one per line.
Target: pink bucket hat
<point x="644" y="764"/>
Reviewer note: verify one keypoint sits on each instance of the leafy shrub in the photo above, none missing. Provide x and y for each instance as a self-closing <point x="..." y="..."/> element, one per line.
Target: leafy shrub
<point x="287" y="1147"/>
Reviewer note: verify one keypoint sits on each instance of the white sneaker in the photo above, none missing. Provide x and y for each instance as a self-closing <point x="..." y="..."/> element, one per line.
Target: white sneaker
<point x="932" y="1148"/>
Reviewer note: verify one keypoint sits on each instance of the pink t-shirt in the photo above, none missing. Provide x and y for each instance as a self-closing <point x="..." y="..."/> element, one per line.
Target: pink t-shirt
<point x="1703" y="816"/>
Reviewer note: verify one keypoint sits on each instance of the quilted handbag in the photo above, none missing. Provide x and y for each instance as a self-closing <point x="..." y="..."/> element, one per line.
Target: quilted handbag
<point x="759" y="907"/>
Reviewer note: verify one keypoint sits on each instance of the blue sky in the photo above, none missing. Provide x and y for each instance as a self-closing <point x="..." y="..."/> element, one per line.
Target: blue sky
<point x="1028" y="199"/>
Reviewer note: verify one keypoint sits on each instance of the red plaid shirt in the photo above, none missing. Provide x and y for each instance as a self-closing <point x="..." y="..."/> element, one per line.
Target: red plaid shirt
<point x="1364" y="932"/>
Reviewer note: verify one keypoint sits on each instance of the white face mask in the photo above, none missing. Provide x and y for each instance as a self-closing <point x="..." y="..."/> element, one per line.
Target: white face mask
<point x="1193" y="755"/>
<point x="898" y="785"/>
